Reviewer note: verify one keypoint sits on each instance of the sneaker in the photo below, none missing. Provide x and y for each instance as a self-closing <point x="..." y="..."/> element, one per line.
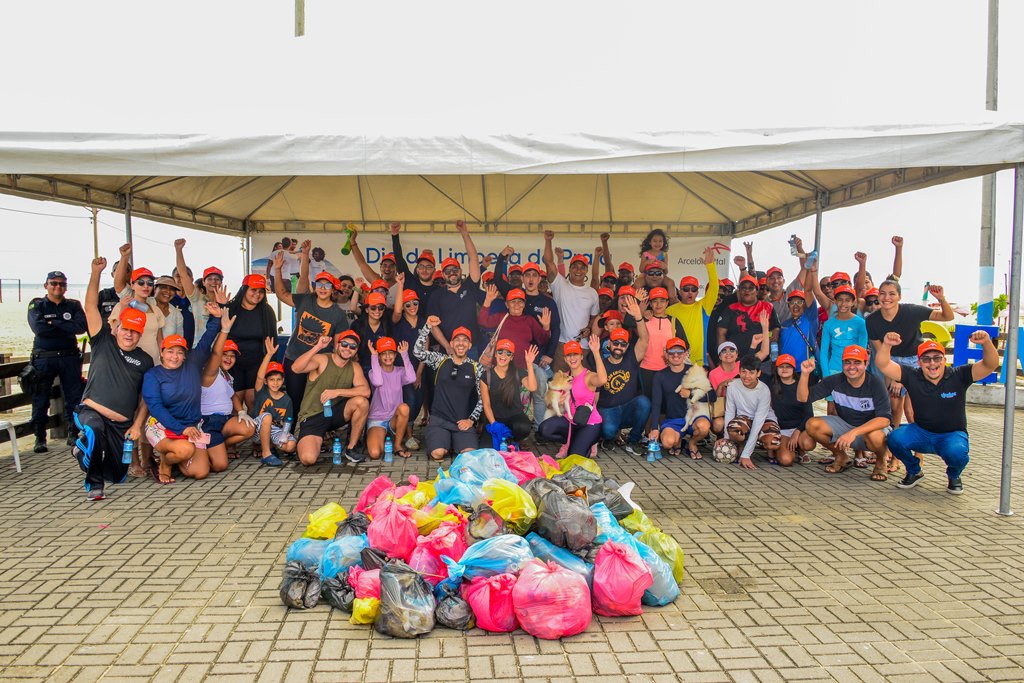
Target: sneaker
<point x="353" y="457"/>
<point x="40" y="446"/>
<point x="94" y="493"/>
<point x="271" y="461"/>
<point x="632" y="448"/>
<point x="72" y="438"/>
<point x="910" y="481"/>
<point x="411" y="444"/>
<point x="956" y="487"/>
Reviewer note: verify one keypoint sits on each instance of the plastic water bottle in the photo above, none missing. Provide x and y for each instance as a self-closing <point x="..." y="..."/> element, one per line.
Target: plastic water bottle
<point x="812" y="258"/>
<point x="328" y="409"/>
<point x="775" y="351"/>
<point x="657" y="450"/>
<point x="286" y="429"/>
<point x="389" y="450"/>
<point x="503" y="446"/>
<point x="337" y="451"/>
<point x="652" y="450"/>
<point x="792" y="245"/>
<point x="126" y="452"/>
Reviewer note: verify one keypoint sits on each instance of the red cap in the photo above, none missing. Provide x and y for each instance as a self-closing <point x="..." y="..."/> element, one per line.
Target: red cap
<point x="230" y="345"/>
<point x="409" y="295"/>
<point x="626" y="290"/>
<point x="612" y="315"/>
<point x="772" y="271"/>
<point x="675" y="343"/>
<point x="796" y="294"/>
<point x="619" y="334"/>
<point x="487" y="277"/>
<point x="762" y="281"/>
<point x="378" y="284"/>
<point x="324" y="275"/>
<point x="376" y="299"/>
<point x="345" y="335"/>
<point x="785" y="359"/>
<point x="438" y="275"/>
<point x="386" y="344"/>
<point x="658" y="293"/>
<point x="580" y="258"/>
<point x="515" y="269"/>
<point x="212" y="270"/>
<point x="689" y="280"/>
<point x="749" y="278"/>
<point x="133" y="319"/>
<point x="840" y="275"/>
<point x="505" y="345"/>
<point x="609" y="276"/>
<point x="626" y="265"/>
<point x="515" y="294"/>
<point x="141" y="272"/>
<point x="426" y="255"/>
<point x="726" y="283"/>
<point x="174" y="340"/>
<point x="604" y="291"/>
<point x="571" y="347"/>
<point x="871" y="292"/>
<point x="365" y="287"/>
<point x="653" y="264"/>
<point x="450" y="262"/>
<point x="930" y="345"/>
<point x="844" y="289"/>
<point x="274" y="367"/>
<point x="255" y="281"/>
<point x="855" y="352"/>
<point x="464" y="331"/>
<point x="531" y="266"/>
<point x="388" y="257"/>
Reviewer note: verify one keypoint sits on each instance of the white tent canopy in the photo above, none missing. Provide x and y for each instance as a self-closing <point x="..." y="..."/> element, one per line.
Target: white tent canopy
<point x="729" y="182"/>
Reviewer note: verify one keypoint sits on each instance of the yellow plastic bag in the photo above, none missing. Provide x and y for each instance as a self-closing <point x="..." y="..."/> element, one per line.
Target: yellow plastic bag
<point x="420" y="496"/>
<point x="429" y="518"/>
<point x="566" y="464"/>
<point x="513" y="504"/>
<point x="324" y="522"/>
<point x="667" y="549"/>
<point x="637" y="521"/>
<point x="364" y="610"/>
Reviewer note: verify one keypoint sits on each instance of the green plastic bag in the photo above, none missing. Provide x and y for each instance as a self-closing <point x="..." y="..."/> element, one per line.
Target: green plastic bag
<point x="324" y="522"/>
<point x="512" y="503"/>
<point x="666" y="548"/>
<point x="637" y="521"/>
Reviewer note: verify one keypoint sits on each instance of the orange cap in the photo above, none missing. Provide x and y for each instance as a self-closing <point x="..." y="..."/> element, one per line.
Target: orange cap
<point x="658" y="293"/>
<point x="514" y="294"/>
<point x="505" y="345"/>
<point x="785" y="359"/>
<point x="488" y="276"/>
<point x="378" y="284"/>
<point x="386" y="344"/>
<point x="427" y="255"/>
<point x="612" y="315"/>
<point x="689" y="280"/>
<point x="626" y="265"/>
<point x="619" y="334"/>
<point x="748" y="278"/>
<point x="376" y="299"/>
<point x="571" y="347"/>
<point x="772" y="271"/>
<point x="515" y="269"/>
<point x="133" y="319"/>
<point x="795" y="294"/>
<point x="604" y="291"/>
<point x="855" y="352"/>
<point x="255" y="281"/>
<point x="844" y="289"/>
<point x="871" y="292"/>
<point x="448" y="262"/>
<point x="409" y="295"/>
<point x="463" y="331"/>
<point x="141" y="272"/>
<point x="675" y="343"/>
<point x="174" y="340"/>
<point x="388" y="257"/>
<point x="840" y="275"/>
<point x="324" y="275"/>
<point x="274" y="367"/>
<point x="930" y="345"/>
<point x="626" y="290"/>
<point x="345" y="335"/>
<point x="230" y="345"/>
<point x="580" y="258"/>
<point x="212" y="270"/>
<point x="531" y="266"/>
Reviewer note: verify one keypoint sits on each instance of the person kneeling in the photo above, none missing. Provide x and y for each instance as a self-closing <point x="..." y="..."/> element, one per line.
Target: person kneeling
<point x="219" y="402"/>
<point x="388" y="414"/>
<point x="273" y="411"/>
<point x="862" y="414"/>
<point x="580" y="428"/>
<point x="748" y="410"/>
<point x="336" y="395"/>
<point x="668" y="390"/>
<point x="502" y="390"/>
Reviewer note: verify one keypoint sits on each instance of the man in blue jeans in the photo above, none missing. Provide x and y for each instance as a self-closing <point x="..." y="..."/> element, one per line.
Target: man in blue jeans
<point x="622" y="402"/>
<point x="939" y="395"/>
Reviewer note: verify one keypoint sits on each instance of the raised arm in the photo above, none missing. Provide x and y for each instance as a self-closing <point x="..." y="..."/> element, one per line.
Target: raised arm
<point x="802" y="386"/>
<point x="883" y="357"/>
<point x="749" y="246"/>
<point x="549" y="255"/>
<point x="897" y="257"/>
<point x="595" y="269"/>
<point x="945" y="314"/>
<point x="188" y="285"/>
<point x="530" y="381"/>
<point x="357" y="253"/>
<point x="93" y="319"/>
<point x="711" y="291"/>
<point x="420" y="350"/>
<point x="261" y="373"/>
<point x="303" y="285"/>
<point x="596" y="380"/>
<point x="766" y="343"/>
<point x="123" y="273"/>
<point x="862" y="273"/>
<point x="474" y="257"/>
<point x="283" y="295"/>
<point x="309" y="361"/>
<point x="396" y="248"/>
<point x="823" y="300"/>
<point x="501" y="270"/>
<point x="213" y="363"/>
<point x="989" y="362"/>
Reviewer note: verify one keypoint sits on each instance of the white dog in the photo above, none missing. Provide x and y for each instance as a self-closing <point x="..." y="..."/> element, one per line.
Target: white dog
<point x="696" y="380"/>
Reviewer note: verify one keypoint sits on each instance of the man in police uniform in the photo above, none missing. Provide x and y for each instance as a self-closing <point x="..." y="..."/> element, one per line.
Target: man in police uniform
<point x="55" y="321"/>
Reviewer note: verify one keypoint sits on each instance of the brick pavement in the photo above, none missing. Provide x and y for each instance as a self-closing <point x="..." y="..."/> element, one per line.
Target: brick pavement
<point x="791" y="575"/>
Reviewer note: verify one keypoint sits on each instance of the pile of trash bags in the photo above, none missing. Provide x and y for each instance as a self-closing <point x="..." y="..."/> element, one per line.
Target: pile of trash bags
<point x="499" y="541"/>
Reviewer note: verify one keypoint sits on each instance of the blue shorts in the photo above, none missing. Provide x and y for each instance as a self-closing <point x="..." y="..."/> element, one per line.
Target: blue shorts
<point x="213" y="425"/>
<point x="678" y="424"/>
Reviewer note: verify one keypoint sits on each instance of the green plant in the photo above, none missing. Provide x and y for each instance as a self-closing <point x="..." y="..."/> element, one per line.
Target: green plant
<point x="999" y="304"/>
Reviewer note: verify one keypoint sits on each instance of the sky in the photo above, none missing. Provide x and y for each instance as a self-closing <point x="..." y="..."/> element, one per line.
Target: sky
<point x="232" y="66"/>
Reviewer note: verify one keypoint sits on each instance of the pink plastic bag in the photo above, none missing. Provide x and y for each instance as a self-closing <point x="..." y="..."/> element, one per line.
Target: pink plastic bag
<point x="491" y="600"/>
<point x="620" y="579"/>
<point x="523" y="464"/>
<point x="372" y="492"/>
<point x="449" y="539"/>
<point x="392" y="529"/>
<point x="411" y="486"/>
<point x="427" y="561"/>
<point x="550" y="601"/>
<point x="366" y="583"/>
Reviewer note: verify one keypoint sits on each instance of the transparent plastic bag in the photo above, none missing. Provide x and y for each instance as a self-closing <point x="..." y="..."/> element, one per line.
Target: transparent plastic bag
<point x="667" y="549"/>
<point x="565" y="520"/>
<point x="523" y="464"/>
<point x="406" y="603"/>
<point x="340" y="554"/>
<point x="476" y="467"/>
<point x="323" y="523"/>
<point x="547" y="551"/>
<point x="550" y="601"/>
<point x="365" y="581"/>
<point x="300" y="586"/>
<point x="392" y="529"/>
<point x="307" y="551"/>
<point x="505" y="554"/>
<point x="453" y="611"/>
<point x="566" y="464"/>
<point x="364" y="610"/>
<point x="353" y="525"/>
<point x="429" y="518"/>
<point x="338" y="592"/>
<point x="372" y="492"/>
<point x="483" y="523"/>
<point x="620" y="579"/>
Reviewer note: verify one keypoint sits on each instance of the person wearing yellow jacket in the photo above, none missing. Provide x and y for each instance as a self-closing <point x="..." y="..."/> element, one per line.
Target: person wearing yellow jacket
<point x="691" y="311"/>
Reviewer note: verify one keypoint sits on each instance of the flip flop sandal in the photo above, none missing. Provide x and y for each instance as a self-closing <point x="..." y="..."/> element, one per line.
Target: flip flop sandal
<point x="804" y="458"/>
<point x="831" y="469"/>
<point x="674" y="452"/>
<point x="695" y="454"/>
<point x="402" y="453"/>
<point x="860" y="463"/>
<point x="137" y="471"/>
<point x="878" y="475"/>
<point x="154" y="470"/>
<point x="827" y="460"/>
<point x="893" y="466"/>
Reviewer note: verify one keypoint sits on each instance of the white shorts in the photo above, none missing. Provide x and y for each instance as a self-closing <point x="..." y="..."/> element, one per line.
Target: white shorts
<point x="276" y="433"/>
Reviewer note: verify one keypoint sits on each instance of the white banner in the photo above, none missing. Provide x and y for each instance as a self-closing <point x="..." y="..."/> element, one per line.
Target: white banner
<point x="686" y="253"/>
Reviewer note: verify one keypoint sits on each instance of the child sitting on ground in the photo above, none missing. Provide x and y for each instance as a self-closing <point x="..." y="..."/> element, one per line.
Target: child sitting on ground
<point x="272" y="410"/>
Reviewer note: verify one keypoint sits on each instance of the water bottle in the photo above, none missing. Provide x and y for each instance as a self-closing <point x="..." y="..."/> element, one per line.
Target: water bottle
<point x="328" y="409"/>
<point x="775" y="351"/>
<point x="337" y="451"/>
<point x="924" y="297"/>
<point x="286" y="429"/>
<point x="389" y="450"/>
<point x="657" y="450"/>
<point x="126" y="452"/>
<point x="812" y="258"/>
<point x="652" y="450"/>
<point x="503" y="446"/>
<point x="792" y="245"/>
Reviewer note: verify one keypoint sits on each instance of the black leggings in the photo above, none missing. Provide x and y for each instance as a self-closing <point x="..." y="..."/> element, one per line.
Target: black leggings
<point x="557" y="429"/>
<point x="294" y="384"/>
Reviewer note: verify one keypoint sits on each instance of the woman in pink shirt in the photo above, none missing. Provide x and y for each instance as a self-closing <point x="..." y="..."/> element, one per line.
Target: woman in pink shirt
<point x="388" y="414"/>
<point x="660" y="328"/>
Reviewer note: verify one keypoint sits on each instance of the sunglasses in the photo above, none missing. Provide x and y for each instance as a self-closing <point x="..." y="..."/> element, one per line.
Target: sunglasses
<point x="376" y="307"/>
<point x="450" y="271"/>
<point x="655" y="273"/>
<point x="853" y="361"/>
<point x="933" y="359"/>
<point x="872" y="302"/>
<point x="213" y="278"/>
<point x="676" y="352"/>
<point x="726" y="290"/>
<point x="348" y="345"/>
<point x="145" y="282"/>
<point x="747" y="288"/>
<point x="57" y="283"/>
<point x="503" y="352"/>
<point x="323" y="285"/>
<point x="619" y="343"/>
<point x="727" y="350"/>
<point x="763" y="288"/>
<point x="690" y="288"/>
<point x="839" y="283"/>
<point x="412" y="303"/>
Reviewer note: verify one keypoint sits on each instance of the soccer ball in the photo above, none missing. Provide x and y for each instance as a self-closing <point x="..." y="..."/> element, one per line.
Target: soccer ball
<point x="725" y="450"/>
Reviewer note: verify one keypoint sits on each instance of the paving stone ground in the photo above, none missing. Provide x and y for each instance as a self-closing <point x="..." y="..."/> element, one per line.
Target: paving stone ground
<point x="790" y="575"/>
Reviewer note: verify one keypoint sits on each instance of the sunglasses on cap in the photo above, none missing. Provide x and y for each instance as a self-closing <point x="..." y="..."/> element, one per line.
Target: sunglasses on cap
<point x="145" y="282"/>
<point x="57" y="283"/>
<point x="348" y="345"/>
<point x="375" y="307"/>
<point x="690" y="288"/>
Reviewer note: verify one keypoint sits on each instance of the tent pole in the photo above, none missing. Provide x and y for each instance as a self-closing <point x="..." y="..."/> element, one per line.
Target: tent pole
<point x="986" y="257"/>
<point x="95" y="233"/>
<point x="819" y="202"/>
<point x="128" y="217"/>
<point x="1010" y="357"/>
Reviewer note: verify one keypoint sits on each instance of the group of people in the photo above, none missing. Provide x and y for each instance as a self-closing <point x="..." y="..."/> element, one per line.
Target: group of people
<point x="582" y="354"/>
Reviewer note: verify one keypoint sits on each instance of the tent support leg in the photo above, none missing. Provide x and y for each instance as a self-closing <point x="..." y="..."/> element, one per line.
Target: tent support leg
<point x="819" y="208"/>
<point x="1013" y="325"/>
<point x="128" y="217"/>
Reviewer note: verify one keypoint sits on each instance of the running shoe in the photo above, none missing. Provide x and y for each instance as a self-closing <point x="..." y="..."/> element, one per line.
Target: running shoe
<point x="910" y="481"/>
<point x="956" y="487"/>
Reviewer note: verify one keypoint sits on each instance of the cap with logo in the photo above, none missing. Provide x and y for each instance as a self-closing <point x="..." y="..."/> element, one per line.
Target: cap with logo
<point x="505" y="345"/>
<point x="571" y="347"/>
<point x="462" y="332"/>
<point x="675" y="343"/>
<point x="514" y="294"/>
<point x="409" y="295"/>
<point x="274" y="367"/>
<point x="230" y="345"/>
<point x="213" y="270"/>
<point x="785" y="359"/>
<point x="376" y="299"/>
<point x="174" y="340"/>
<point x="255" y="281"/>
<point x="855" y="352"/>
<point x="386" y="344"/>
<point x="619" y="334"/>
<point x="133" y="319"/>
<point x="690" y="281"/>
<point x="141" y="273"/>
<point x="56" y="275"/>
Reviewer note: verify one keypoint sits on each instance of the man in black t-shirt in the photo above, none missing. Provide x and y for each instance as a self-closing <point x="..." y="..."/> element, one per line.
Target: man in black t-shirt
<point x="939" y="395"/>
<point x="112" y="410"/>
<point x="862" y="414"/>
<point x="456" y="302"/>
<point x="622" y="402"/>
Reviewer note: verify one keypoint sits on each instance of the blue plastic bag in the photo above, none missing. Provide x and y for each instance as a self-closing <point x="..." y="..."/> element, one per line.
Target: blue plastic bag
<point x="451" y="491"/>
<point x="505" y="554"/>
<point x="476" y="467"/>
<point x="608" y="528"/>
<point x="308" y="551"/>
<point x="547" y="551"/>
<point x="340" y="554"/>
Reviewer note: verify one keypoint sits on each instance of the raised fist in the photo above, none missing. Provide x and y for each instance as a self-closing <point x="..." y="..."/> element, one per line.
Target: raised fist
<point x="980" y="337"/>
<point x="892" y="339"/>
<point x="808" y="366"/>
<point x="396" y="228"/>
<point x="433" y="321"/>
<point x="897" y="241"/>
<point x="179" y="244"/>
<point x="99" y="264"/>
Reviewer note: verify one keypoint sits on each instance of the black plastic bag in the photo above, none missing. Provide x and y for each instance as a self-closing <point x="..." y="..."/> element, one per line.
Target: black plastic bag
<point x="578" y="478"/>
<point x="301" y="587"/>
<point x="355" y="525"/>
<point x="406" y="602"/>
<point x="482" y="524"/>
<point x="338" y="593"/>
<point x="538" y="487"/>
<point x="453" y="611"/>
<point x="373" y="558"/>
<point x="588" y="554"/>
<point x="617" y="505"/>
<point x="565" y="520"/>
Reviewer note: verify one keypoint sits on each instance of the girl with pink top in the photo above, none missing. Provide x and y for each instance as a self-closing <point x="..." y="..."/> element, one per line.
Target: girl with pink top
<point x="388" y="414"/>
<point x="581" y="427"/>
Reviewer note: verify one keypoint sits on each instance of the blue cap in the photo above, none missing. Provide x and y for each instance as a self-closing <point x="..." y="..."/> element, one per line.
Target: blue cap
<point x="56" y="275"/>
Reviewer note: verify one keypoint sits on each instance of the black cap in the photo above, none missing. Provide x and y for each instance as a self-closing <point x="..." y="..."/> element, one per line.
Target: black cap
<point x="56" y="275"/>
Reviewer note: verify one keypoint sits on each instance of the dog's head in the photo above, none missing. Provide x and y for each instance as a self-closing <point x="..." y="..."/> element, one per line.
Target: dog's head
<point x="560" y="382"/>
